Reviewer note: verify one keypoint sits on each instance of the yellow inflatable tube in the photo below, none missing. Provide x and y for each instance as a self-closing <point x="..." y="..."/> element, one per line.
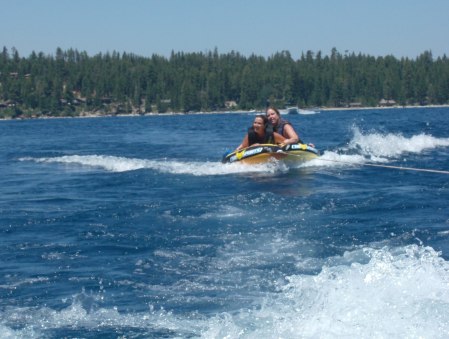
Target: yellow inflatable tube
<point x="267" y="152"/>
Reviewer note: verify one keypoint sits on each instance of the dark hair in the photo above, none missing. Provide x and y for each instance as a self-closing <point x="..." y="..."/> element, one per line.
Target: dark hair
<point x="263" y="117"/>
<point x="274" y="109"/>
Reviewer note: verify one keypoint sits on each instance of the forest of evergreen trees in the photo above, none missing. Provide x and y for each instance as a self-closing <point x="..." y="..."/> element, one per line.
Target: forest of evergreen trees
<point x="71" y="83"/>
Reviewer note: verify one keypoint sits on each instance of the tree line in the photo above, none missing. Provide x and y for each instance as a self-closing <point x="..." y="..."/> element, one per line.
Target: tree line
<point x="71" y="82"/>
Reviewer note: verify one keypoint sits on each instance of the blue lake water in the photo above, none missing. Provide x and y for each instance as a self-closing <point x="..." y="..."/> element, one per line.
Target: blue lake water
<point x="131" y="227"/>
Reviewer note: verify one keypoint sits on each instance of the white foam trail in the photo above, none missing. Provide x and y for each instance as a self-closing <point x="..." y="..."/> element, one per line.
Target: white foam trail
<point x="123" y="164"/>
<point x="376" y="148"/>
<point x="392" y="145"/>
<point x="334" y="159"/>
<point x="363" y="148"/>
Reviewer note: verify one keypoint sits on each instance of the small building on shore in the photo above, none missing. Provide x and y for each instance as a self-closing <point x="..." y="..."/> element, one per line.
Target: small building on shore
<point x="230" y="104"/>
<point x="387" y="103"/>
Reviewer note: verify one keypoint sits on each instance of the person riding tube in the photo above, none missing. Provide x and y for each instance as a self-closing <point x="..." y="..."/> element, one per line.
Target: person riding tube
<point x="281" y="126"/>
<point x="261" y="133"/>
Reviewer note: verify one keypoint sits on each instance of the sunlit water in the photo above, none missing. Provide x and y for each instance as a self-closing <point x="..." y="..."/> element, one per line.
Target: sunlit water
<point x="132" y="227"/>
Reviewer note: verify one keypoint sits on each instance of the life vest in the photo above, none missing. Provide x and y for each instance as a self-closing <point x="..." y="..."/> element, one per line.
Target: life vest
<point x="280" y="127"/>
<point x="254" y="138"/>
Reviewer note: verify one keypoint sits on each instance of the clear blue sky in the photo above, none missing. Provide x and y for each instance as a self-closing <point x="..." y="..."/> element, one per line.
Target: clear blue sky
<point x="403" y="28"/>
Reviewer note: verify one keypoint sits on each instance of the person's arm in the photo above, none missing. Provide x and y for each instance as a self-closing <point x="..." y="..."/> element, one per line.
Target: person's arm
<point x="244" y="144"/>
<point x="292" y="137"/>
<point x="278" y="139"/>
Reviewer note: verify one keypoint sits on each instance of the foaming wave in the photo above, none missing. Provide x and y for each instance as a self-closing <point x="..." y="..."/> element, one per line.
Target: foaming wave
<point x="335" y="159"/>
<point x="400" y="292"/>
<point x="388" y="292"/>
<point x="85" y="320"/>
<point x="123" y="164"/>
<point x="376" y="148"/>
<point x="392" y="145"/>
<point x="13" y="333"/>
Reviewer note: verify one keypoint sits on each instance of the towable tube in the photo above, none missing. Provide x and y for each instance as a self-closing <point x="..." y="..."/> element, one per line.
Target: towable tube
<point x="266" y="152"/>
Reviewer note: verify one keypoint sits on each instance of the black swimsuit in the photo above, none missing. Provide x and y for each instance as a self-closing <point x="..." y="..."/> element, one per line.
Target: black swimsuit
<point x="254" y="138"/>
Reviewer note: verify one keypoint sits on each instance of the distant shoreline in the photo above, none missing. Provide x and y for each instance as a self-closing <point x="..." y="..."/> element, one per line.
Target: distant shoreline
<point x="320" y="109"/>
<point x="379" y="107"/>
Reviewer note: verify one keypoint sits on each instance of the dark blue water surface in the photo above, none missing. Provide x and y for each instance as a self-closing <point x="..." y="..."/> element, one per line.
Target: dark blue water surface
<point x="130" y="227"/>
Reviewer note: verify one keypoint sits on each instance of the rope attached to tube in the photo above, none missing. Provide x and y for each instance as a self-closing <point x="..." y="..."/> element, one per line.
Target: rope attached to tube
<point x="392" y="167"/>
<point x="386" y="166"/>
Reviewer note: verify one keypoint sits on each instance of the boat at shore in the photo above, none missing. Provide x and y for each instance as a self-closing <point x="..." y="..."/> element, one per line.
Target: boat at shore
<point x="297" y="110"/>
<point x="294" y="153"/>
<point x="308" y="111"/>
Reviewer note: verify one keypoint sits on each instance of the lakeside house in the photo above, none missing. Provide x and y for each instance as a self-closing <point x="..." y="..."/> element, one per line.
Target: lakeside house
<point x="8" y="103"/>
<point x="230" y="104"/>
<point x="387" y="103"/>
